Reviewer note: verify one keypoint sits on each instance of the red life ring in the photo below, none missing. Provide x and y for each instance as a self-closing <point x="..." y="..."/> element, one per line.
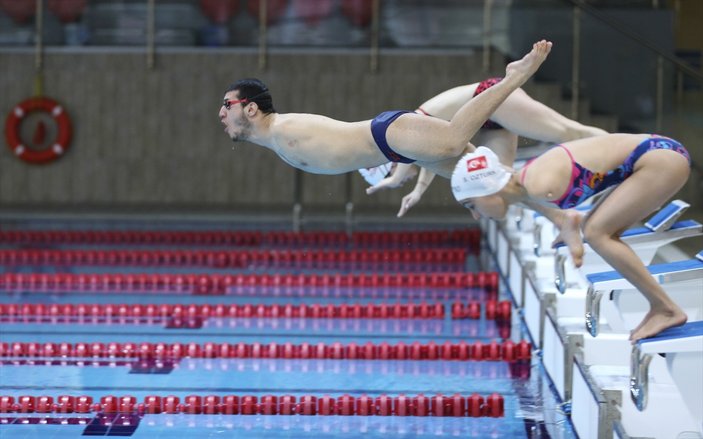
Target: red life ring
<point x="63" y="135"/>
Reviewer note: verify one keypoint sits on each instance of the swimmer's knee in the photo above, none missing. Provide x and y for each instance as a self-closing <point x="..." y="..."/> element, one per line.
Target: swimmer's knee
<point x="593" y="235"/>
<point x="447" y="150"/>
<point x="455" y="147"/>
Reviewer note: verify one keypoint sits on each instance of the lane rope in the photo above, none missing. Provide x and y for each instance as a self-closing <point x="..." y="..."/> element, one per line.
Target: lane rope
<point x="455" y="405"/>
<point x="221" y="283"/>
<point x="461" y="351"/>
<point x="463" y="238"/>
<point x="40" y="312"/>
<point x="273" y="258"/>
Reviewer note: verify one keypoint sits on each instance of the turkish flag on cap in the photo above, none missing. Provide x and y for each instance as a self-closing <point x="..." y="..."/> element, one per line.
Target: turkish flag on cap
<point x="476" y="164"/>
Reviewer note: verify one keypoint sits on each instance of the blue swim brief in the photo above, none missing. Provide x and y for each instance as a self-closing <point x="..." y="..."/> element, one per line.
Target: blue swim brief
<point x="379" y="125"/>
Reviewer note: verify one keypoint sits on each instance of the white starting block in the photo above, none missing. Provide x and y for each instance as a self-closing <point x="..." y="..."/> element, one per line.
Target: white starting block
<point x="682" y="280"/>
<point x="574" y="297"/>
<point x="567" y="309"/>
<point x="604" y="361"/>
<point x="563" y="336"/>
<point x="490" y="227"/>
<point x="660" y="221"/>
<point x="501" y="240"/>
<point x="514" y="249"/>
<point x="594" y="411"/>
<point x="683" y="348"/>
<point x="599" y="403"/>
<point x="672" y="391"/>
<point x="643" y="241"/>
<point x="544" y="232"/>
<point x="521" y="230"/>
<point x="660" y="230"/>
<point x="594" y="373"/>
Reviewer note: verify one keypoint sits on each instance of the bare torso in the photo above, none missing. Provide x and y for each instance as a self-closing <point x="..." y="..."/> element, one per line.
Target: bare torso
<point x="321" y="145"/>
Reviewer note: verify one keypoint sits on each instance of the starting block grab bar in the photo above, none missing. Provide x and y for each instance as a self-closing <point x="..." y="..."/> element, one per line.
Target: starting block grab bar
<point x="641" y="236"/>
<point x="666" y="217"/>
<point x="606" y="282"/>
<point x="659" y="222"/>
<point x="683" y="339"/>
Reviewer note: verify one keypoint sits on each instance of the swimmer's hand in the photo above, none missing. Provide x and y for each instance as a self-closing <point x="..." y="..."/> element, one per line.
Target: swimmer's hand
<point x="386" y="183"/>
<point x="398" y="177"/>
<point x="409" y="201"/>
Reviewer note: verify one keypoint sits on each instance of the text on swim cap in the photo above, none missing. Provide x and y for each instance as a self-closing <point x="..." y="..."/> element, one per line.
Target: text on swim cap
<point x="482" y="175"/>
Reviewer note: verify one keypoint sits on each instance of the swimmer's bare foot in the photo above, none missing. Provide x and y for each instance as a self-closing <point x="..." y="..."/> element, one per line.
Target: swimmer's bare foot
<point x="658" y="320"/>
<point x="570" y="234"/>
<point x="528" y="65"/>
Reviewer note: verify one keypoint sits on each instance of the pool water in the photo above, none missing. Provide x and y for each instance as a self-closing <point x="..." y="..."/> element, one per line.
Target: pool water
<point x="363" y="372"/>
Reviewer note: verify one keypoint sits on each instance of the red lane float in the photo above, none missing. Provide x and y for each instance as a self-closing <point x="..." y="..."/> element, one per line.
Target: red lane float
<point x="467" y="238"/>
<point x="462" y="351"/>
<point x="455" y="405"/>
<point x="209" y="284"/>
<point x="236" y="259"/>
<point x="422" y="310"/>
<point x="494" y="310"/>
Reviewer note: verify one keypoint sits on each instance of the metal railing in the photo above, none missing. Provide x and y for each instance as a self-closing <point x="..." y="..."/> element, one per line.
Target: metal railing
<point x="682" y="68"/>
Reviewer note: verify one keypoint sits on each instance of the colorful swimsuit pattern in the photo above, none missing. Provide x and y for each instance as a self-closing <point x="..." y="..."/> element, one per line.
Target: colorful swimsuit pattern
<point x="586" y="183"/>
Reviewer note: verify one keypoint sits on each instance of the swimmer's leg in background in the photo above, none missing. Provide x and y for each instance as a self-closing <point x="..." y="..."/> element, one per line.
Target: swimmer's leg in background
<point x="526" y="117"/>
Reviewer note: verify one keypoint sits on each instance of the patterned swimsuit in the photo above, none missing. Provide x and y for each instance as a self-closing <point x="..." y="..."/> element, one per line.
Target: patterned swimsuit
<point x="586" y="183"/>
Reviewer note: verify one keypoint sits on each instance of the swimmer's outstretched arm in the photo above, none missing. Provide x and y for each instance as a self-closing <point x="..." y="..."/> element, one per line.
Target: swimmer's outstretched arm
<point x="423" y="182"/>
<point x="400" y="174"/>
